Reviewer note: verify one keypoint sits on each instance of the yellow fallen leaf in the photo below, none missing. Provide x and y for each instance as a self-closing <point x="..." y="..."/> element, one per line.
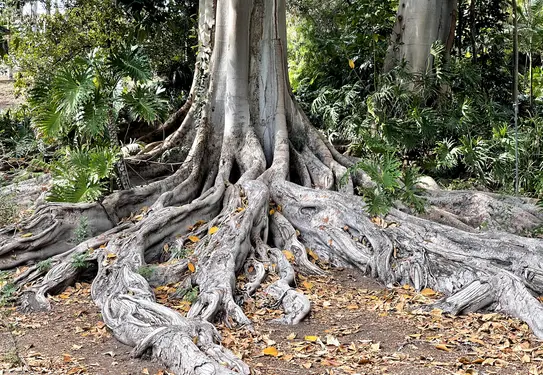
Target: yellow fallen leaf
<point x="311" y="338"/>
<point x="194" y="239"/>
<point x="427" y="292"/>
<point x="213" y="230"/>
<point x="271" y="351"/>
<point x="111" y="256"/>
<point x="312" y="254"/>
<point x="26" y="235"/>
<point x="138" y="217"/>
<point x="351" y="64"/>
<point x="191" y="267"/>
<point x="307" y="285"/>
<point x="272" y="211"/>
<point x="288" y="255"/>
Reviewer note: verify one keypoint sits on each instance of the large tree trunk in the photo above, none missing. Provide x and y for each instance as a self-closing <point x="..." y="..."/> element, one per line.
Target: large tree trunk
<point x="419" y="24"/>
<point x="258" y="179"/>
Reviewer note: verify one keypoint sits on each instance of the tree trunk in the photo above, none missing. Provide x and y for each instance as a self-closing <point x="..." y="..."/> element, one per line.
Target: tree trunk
<point x="419" y="24"/>
<point x="259" y="179"/>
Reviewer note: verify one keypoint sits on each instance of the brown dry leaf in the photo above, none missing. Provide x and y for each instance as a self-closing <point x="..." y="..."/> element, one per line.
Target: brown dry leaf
<point x="166" y="247"/>
<point x="270" y="351"/>
<point x="194" y="239"/>
<point x="307" y="365"/>
<point x="331" y="340"/>
<point x="145" y="371"/>
<point x="67" y="358"/>
<point x="191" y="267"/>
<point x="443" y="347"/>
<point x="213" y="230"/>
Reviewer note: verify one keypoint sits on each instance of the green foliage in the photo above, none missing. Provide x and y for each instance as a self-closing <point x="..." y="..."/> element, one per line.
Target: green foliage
<point x="44" y="266"/>
<point x="147" y="271"/>
<point x="392" y="183"/>
<point x="17" y="139"/>
<point x="191" y="295"/>
<point x="7" y="293"/>
<point x="180" y="253"/>
<point x="81" y="261"/>
<point x="77" y="105"/>
<point x="325" y="36"/>
<point x="81" y="174"/>
<point x="82" y="231"/>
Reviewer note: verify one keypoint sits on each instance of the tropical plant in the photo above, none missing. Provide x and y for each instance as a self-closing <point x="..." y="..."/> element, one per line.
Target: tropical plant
<point x="79" y="107"/>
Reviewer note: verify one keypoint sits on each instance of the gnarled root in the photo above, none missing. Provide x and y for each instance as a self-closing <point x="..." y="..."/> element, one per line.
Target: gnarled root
<point x="489" y="269"/>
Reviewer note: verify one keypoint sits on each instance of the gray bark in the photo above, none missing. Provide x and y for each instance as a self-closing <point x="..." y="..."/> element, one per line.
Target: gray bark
<point x="420" y="23"/>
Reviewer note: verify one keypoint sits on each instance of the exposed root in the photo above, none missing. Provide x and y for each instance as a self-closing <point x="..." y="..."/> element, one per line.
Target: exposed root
<point x="50" y="231"/>
<point x="484" y="211"/>
<point x="284" y="237"/>
<point x="476" y="269"/>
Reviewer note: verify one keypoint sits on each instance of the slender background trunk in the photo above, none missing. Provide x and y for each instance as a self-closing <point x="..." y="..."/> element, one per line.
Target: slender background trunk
<point x="419" y="24"/>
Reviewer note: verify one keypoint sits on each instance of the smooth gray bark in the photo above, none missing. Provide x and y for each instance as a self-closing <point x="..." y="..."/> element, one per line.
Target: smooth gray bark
<point x="419" y="24"/>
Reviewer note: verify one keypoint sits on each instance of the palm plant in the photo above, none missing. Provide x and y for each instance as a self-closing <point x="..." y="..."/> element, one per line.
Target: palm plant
<point x="79" y="107"/>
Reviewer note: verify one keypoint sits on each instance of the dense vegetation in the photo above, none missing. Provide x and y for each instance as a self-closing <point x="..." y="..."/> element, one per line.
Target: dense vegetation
<point x="133" y="64"/>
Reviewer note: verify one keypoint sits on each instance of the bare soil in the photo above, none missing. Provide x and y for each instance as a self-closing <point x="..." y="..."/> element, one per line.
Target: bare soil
<point x="356" y="327"/>
<point x="7" y="94"/>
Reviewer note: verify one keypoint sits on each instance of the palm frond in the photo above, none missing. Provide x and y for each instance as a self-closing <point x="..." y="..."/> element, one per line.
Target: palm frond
<point x="131" y="62"/>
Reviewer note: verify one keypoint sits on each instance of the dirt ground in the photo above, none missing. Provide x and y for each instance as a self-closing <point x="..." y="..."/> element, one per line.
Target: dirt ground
<point x="7" y="94"/>
<point x="356" y="327"/>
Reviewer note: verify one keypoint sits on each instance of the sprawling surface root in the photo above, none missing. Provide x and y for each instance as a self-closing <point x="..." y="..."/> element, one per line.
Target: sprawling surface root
<point x="476" y="270"/>
<point x="469" y="210"/>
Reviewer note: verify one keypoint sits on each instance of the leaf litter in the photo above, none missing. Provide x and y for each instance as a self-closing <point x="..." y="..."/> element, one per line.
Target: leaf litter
<point x="356" y="327"/>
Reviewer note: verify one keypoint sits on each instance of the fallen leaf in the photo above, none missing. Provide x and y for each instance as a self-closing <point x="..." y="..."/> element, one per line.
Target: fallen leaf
<point x="312" y="254"/>
<point x="191" y="267"/>
<point x="443" y="347"/>
<point x="270" y="351"/>
<point x="427" y="292"/>
<point x="194" y="239"/>
<point x="288" y="255"/>
<point x="331" y="340"/>
<point x="311" y="338"/>
<point x="26" y="235"/>
<point x="213" y="230"/>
